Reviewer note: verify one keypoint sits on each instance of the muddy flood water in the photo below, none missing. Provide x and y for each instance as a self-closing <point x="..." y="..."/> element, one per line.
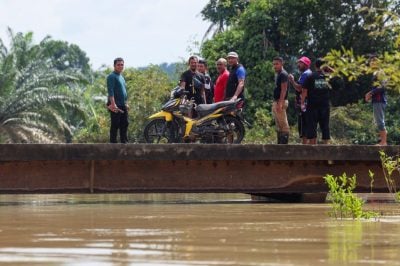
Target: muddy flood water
<point x="188" y="229"/>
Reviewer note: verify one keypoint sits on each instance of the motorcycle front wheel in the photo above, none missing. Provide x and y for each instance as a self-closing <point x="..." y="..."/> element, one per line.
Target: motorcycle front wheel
<point x="160" y="131"/>
<point x="235" y="130"/>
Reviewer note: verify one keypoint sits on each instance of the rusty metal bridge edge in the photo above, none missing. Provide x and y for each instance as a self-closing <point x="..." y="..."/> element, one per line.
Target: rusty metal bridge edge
<point x="185" y="168"/>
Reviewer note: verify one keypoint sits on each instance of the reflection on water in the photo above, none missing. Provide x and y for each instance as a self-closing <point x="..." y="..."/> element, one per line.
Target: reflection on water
<point x="345" y="241"/>
<point x="51" y="199"/>
<point x="186" y="229"/>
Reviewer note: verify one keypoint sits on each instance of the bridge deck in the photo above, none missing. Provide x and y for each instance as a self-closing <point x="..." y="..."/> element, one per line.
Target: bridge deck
<point x="254" y="169"/>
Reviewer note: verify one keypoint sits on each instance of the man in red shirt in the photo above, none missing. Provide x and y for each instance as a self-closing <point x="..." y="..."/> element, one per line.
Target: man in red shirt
<point x="222" y="80"/>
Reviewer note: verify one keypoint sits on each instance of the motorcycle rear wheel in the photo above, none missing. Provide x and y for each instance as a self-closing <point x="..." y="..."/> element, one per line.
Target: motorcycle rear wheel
<point x="235" y="133"/>
<point x="160" y="131"/>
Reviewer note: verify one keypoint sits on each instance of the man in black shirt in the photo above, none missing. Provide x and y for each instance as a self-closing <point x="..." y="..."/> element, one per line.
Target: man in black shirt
<point x="193" y="82"/>
<point x="318" y="111"/>
<point x="280" y="103"/>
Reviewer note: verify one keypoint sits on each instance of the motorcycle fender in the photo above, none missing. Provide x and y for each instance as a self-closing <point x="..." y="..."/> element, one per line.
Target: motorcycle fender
<point x="189" y="125"/>
<point x="167" y="116"/>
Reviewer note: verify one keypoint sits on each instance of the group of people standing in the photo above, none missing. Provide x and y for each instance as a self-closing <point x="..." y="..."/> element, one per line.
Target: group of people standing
<point x="196" y="81"/>
<point x="311" y="100"/>
<point x="312" y="91"/>
<point x="312" y="103"/>
<point x="228" y="86"/>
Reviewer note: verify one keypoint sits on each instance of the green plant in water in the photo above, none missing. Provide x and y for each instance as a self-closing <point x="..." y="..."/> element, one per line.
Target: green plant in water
<point x="371" y="176"/>
<point x="390" y="165"/>
<point x="345" y="204"/>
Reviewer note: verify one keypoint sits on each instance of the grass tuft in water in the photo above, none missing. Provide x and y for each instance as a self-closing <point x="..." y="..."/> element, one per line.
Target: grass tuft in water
<point x="345" y="204"/>
<point x="390" y="164"/>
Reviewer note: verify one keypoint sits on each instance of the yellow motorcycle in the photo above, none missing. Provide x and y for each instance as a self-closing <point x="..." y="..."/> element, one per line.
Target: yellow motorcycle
<point x="181" y="120"/>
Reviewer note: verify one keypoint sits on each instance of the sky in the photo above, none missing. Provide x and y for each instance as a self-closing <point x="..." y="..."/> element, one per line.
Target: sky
<point x="143" y="32"/>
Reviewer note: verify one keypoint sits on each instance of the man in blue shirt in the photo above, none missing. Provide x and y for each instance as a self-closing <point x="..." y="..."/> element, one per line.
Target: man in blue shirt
<point x="237" y="76"/>
<point x="303" y="65"/>
<point x="117" y="98"/>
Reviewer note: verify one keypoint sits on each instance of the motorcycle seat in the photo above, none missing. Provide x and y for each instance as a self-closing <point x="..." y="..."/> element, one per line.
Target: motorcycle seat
<point x="204" y="108"/>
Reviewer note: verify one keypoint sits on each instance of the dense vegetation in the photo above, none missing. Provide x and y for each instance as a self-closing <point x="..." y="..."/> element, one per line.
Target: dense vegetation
<point x="39" y="85"/>
<point x="49" y="93"/>
<point x="264" y="29"/>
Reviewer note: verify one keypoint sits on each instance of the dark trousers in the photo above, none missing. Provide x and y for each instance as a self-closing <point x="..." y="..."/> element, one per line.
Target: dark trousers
<point x="301" y="124"/>
<point x="119" y="121"/>
<point x="318" y="115"/>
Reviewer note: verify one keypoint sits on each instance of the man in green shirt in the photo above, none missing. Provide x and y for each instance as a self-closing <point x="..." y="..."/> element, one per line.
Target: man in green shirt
<point x="117" y="98"/>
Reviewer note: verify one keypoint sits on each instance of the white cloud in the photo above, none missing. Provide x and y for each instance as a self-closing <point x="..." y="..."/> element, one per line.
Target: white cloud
<point x="143" y="32"/>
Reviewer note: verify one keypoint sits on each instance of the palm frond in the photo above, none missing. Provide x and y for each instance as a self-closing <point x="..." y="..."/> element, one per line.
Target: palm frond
<point x="35" y="96"/>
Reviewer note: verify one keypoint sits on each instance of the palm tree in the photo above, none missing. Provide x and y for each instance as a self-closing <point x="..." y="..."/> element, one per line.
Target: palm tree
<point x="34" y="94"/>
<point x="222" y="14"/>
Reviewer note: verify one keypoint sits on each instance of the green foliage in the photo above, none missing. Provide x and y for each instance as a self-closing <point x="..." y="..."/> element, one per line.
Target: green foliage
<point x="262" y="131"/>
<point x="352" y="66"/>
<point x="221" y="44"/>
<point x="147" y="90"/>
<point x="66" y="56"/>
<point x="371" y="176"/>
<point x="344" y="203"/>
<point x="391" y="165"/>
<point x="290" y="28"/>
<point x="222" y="13"/>
<point x="173" y="70"/>
<point x="383" y="24"/>
<point x="352" y="124"/>
<point x="36" y="100"/>
<point x="93" y="100"/>
<point x="346" y="24"/>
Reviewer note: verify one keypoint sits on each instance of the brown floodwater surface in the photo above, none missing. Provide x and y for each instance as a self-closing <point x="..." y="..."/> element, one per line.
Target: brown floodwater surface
<point x="187" y="229"/>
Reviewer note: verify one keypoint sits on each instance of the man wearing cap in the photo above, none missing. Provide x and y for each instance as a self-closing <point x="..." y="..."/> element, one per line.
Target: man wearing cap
<point x="237" y="76"/>
<point x="303" y="65"/>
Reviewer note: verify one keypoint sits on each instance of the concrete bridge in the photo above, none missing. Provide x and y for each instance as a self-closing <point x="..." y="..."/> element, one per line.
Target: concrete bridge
<point x="252" y="169"/>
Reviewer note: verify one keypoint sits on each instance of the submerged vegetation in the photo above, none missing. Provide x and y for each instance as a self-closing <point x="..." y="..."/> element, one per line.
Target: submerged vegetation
<point x="391" y="165"/>
<point x="345" y="204"/>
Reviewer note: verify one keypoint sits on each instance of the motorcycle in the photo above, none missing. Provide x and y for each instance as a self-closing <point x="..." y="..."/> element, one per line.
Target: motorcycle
<point x="181" y="120"/>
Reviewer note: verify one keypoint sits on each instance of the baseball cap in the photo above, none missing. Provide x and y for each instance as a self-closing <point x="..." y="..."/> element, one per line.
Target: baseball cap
<point x="305" y="60"/>
<point x="232" y="54"/>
